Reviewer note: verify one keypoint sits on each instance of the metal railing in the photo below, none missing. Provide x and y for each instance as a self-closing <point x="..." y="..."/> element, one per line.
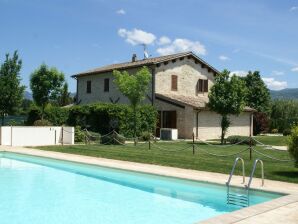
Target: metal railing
<point x="253" y="171"/>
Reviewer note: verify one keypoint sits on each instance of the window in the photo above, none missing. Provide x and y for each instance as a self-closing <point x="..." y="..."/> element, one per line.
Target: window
<point x="106" y="85"/>
<point x="88" y="86"/>
<point x="202" y="85"/>
<point x="174" y="83"/>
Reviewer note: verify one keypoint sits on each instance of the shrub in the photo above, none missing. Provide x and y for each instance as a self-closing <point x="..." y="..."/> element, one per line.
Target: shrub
<point x="274" y="131"/>
<point x="293" y="144"/>
<point x="79" y="134"/>
<point x="145" y="136"/>
<point x="113" y="139"/>
<point x="42" y="123"/>
<point x="286" y="132"/>
<point x="235" y="139"/>
<point x="260" y="123"/>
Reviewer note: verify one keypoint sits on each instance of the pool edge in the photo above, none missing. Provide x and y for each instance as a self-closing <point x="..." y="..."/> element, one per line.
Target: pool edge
<point x="216" y="178"/>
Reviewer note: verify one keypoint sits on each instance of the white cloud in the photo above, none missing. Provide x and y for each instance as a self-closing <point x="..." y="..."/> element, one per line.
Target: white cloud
<point x="223" y="58"/>
<point x="294" y="8"/>
<point x="274" y="84"/>
<point x="137" y="36"/>
<point x="294" y="69"/>
<point x="277" y="73"/>
<point x="121" y="12"/>
<point x="164" y="40"/>
<point x="182" y="45"/>
<point x="240" y="73"/>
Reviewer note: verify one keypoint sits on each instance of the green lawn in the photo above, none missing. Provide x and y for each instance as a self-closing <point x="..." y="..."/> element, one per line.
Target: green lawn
<point x="174" y="154"/>
<point x="272" y="140"/>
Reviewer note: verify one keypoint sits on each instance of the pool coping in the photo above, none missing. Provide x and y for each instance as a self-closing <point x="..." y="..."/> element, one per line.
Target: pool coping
<point x="240" y="216"/>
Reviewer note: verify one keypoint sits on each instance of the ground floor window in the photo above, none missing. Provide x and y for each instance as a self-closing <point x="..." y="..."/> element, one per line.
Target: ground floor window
<point x="167" y="119"/>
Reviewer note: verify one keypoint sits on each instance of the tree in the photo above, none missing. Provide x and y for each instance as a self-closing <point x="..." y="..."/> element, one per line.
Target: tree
<point x="293" y="144"/>
<point x="11" y="90"/>
<point x="258" y="95"/>
<point x="227" y="97"/>
<point x="64" y="98"/>
<point x="134" y="87"/>
<point x="46" y="85"/>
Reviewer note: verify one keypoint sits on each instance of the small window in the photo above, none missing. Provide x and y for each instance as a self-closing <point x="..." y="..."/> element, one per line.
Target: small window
<point x="174" y="83"/>
<point x="88" y="86"/>
<point x="107" y="85"/>
<point x="202" y="85"/>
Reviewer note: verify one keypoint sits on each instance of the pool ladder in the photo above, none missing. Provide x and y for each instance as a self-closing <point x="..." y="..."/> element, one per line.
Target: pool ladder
<point x="235" y="198"/>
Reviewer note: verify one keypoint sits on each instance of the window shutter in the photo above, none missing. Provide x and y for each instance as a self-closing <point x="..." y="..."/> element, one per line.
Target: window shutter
<point x="200" y="85"/>
<point x="206" y="85"/>
<point x="174" y="82"/>
<point x="106" y="85"/>
<point x="88" y="87"/>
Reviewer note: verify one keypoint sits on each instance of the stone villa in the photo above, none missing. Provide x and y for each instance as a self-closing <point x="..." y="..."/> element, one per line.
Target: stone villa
<point x="179" y="91"/>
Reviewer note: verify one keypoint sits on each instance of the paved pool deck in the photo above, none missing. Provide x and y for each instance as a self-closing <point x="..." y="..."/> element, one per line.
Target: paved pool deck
<point x="282" y="210"/>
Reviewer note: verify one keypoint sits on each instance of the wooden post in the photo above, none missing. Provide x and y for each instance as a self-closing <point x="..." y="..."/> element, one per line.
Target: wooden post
<point x="55" y="137"/>
<point x="149" y="144"/>
<point x="250" y="137"/>
<point x="62" y="136"/>
<point x="193" y="143"/>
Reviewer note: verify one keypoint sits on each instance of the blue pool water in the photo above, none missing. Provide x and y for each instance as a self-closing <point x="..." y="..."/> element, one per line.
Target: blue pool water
<point x="36" y="190"/>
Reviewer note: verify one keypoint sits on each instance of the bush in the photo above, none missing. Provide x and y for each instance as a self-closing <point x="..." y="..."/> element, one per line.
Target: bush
<point x="145" y="136"/>
<point x="260" y="123"/>
<point x="274" y="131"/>
<point x="293" y="144"/>
<point x="113" y="139"/>
<point x="42" y="123"/>
<point x="235" y="139"/>
<point x="79" y="134"/>
<point x="286" y="132"/>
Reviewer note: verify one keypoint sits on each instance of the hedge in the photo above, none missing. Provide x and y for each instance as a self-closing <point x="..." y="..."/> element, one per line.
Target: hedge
<point x="100" y="117"/>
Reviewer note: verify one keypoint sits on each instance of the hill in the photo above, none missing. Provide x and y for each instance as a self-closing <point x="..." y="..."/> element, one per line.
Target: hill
<point x="290" y="93"/>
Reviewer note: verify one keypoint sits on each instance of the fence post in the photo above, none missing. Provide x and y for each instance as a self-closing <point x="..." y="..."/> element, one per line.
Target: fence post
<point x="149" y="144"/>
<point x="55" y="137"/>
<point x="193" y="143"/>
<point x="250" y="148"/>
<point x="62" y="135"/>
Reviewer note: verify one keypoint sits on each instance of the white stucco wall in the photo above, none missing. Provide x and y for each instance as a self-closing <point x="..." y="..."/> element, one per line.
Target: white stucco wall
<point x="209" y="125"/>
<point x="33" y="136"/>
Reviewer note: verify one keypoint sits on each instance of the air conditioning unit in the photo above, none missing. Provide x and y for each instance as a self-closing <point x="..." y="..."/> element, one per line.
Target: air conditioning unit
<point x="168" y="134"/>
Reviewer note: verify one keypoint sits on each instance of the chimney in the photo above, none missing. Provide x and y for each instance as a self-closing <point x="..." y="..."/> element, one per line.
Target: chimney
<point x="134" y="58"/>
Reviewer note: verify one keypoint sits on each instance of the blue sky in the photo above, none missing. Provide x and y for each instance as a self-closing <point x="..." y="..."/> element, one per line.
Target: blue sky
<point x="77" y="35"/>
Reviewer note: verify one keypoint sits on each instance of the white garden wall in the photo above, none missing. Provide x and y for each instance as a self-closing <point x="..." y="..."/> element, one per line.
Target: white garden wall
<point x="36" y="136"/>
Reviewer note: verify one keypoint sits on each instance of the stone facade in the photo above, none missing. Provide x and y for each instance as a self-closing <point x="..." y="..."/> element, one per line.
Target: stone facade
<point x="189" y="119"/>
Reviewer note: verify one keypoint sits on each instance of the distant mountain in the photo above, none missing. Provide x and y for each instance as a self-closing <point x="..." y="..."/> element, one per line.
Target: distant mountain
<point x="28" y="95"/>
<point x="290" y="93"/>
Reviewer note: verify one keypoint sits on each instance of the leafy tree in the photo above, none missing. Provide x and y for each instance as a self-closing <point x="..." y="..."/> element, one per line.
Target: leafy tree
<point x="284" y="114"/>
<point x="293" y="144"/>
<point x="258" y="95"/>
<point x="134" y="87"/>
<point x="64" y="98"/>
<point x="11" y="90"/>
<point x="46" y="85"/>
<point x="227" y="97"/>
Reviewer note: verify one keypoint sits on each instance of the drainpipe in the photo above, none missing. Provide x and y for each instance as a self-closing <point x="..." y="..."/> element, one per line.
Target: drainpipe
<point x="153" y="85"/>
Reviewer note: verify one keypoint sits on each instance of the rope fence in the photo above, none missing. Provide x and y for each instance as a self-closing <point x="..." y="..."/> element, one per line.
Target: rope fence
<point x="114" y="138"/>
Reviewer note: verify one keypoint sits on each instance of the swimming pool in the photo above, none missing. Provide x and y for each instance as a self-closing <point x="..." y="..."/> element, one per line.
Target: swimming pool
<point x="38" y="190"/>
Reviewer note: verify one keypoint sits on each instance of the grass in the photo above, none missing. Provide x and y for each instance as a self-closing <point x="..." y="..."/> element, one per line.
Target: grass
<point x="272" y="140"/>
<point x="174" y="155"/>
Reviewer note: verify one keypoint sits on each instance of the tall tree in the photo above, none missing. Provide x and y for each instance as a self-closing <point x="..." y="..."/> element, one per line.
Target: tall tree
<point x="134" y="87"/>
<point x="227" y="97"/>
<point x="64" y="98"/>
<point x="258" y="95"/>
<point x="11" y="90"/>
<point x="46" y="85"/>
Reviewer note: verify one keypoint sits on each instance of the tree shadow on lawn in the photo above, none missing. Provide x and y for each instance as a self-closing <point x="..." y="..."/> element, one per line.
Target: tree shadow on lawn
<point x="291" y="174"/>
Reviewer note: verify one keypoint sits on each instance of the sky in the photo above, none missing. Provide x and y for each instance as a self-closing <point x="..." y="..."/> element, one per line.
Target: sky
<point x="78" y="35"/>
